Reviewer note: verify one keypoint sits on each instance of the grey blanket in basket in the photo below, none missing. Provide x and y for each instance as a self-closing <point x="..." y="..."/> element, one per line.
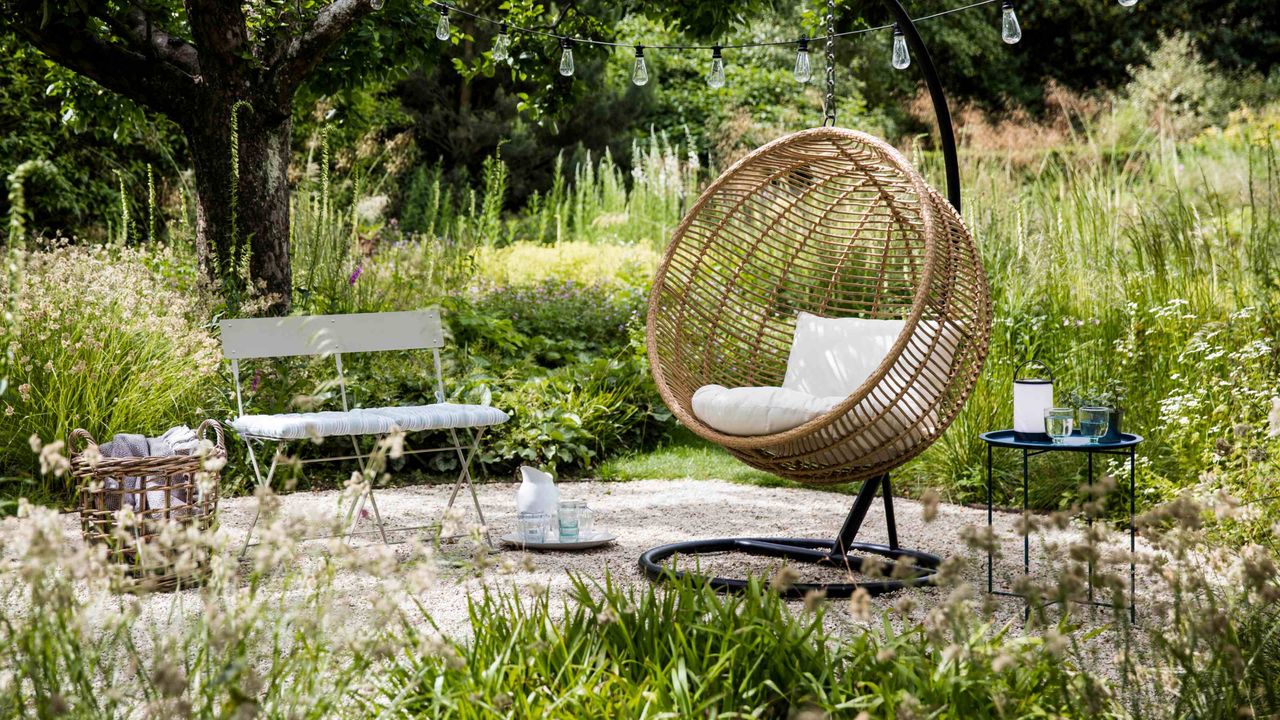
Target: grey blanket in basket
<point x="180" y="440"/>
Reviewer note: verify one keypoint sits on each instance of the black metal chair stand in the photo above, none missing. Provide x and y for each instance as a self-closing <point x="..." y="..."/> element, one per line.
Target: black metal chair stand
<point x="842" y="552"/>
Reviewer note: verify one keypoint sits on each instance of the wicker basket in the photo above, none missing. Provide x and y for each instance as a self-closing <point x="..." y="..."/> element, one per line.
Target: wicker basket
<point x="166" y="496"/>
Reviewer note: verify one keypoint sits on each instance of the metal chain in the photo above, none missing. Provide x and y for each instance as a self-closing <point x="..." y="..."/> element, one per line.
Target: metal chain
<point x="829" y="104"/>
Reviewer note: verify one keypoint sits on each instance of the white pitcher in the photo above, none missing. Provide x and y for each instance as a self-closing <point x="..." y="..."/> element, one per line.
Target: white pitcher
<point x="538" y="492"/>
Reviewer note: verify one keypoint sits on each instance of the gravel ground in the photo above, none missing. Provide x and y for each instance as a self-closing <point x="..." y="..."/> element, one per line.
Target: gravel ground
<point x="648" y="513"/>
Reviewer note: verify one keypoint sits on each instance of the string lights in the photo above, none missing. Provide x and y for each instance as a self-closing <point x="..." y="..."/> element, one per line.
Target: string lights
<point x="566" y="57"/>
<point x="804" y="69"/>
<point x="1010" y="32"/>
<point x="640" y="75"/>
<point x="901" y="57"/>
<point x="715" y="78"/>
<point x="442" y="27"/>
<point x="502" y="44"/>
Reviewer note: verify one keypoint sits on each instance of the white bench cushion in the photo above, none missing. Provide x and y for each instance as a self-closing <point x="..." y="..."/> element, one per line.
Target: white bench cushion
<point x="441" y="416"/>
<point x="368" y="421"/>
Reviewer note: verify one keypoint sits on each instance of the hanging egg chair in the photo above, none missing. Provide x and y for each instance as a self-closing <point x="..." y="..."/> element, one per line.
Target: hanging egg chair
<point x="819" y="229"/>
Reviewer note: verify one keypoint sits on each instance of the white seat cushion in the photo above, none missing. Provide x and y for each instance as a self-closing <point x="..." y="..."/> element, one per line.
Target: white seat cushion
<point x="368" y="421"/>
<point x="757" y="410"/>
<point x="441" y="416"/>
<point x="835" y="356"/>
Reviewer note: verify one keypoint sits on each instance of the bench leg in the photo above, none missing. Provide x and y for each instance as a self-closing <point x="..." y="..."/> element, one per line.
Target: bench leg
<point x="359" y="506"/>
<point x="257" y="473"/>
<point x="465" y="476"/>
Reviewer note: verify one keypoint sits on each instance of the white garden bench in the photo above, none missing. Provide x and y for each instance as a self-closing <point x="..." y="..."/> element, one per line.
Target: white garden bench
<point x="337" y="335"/>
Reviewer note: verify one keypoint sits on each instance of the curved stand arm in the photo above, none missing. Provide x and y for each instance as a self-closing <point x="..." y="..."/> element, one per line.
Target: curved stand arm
<point x="945" y="130"/>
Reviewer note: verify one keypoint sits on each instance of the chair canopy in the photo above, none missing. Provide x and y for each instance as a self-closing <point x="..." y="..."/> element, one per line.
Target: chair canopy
<point x="836" y="223"/>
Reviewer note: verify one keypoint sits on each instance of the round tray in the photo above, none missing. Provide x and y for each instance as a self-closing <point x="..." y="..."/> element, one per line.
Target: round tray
<point x="1006" y="438"/>
<point x="584" y="542"/>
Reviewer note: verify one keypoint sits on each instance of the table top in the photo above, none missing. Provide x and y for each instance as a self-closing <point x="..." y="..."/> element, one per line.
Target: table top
<point x="1075" y="443"/>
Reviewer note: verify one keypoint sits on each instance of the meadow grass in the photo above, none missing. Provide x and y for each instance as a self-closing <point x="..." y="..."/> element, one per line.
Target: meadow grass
<point x="684" y="651"/>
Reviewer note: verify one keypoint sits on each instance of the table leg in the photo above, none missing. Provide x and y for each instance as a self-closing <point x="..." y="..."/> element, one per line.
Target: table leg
<point x="1133" y="543"/>
<point x="1089" y="517"/>
<point x="1026" y="537"/>
<point x="989" y="522"/>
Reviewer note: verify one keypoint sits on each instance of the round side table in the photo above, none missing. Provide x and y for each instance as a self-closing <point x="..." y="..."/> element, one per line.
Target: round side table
<point x="1125" y="446"/>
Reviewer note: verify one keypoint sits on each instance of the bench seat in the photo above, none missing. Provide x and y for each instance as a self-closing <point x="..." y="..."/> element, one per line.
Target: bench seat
<point x="368" y="421"/>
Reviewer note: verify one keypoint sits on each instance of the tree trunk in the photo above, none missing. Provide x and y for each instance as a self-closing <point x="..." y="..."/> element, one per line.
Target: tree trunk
<point x="242" y="217"/>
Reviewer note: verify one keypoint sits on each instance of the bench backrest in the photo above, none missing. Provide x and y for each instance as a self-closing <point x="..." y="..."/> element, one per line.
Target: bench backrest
<point x="331" y="334"/>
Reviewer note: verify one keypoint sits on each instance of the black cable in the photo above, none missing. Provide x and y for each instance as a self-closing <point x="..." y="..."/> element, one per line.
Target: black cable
<point x="730" y="46"/>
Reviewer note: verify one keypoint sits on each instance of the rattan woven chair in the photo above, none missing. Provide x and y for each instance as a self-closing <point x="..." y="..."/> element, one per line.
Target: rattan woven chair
<point x="835" y="223"/>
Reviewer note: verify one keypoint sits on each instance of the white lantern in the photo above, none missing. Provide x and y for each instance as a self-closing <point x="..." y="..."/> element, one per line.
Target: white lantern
<point x="1031" y="397"/>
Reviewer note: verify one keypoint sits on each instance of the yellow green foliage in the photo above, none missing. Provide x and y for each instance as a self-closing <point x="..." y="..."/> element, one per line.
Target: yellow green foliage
<point x="529" y="263"/>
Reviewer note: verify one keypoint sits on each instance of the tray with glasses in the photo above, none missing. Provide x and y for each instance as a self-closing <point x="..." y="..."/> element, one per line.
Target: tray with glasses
<point x="572" y="528"/>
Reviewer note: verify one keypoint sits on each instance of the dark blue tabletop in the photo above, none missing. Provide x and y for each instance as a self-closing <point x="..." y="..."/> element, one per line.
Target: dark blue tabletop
<point x="1075" y="443"/>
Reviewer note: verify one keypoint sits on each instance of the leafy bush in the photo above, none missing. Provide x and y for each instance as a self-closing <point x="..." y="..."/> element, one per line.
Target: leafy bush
<point x="574" y="417"/>
<point x="596" y="315"/>
<point x="98" y="340"/>
<point x="566" y="361"/>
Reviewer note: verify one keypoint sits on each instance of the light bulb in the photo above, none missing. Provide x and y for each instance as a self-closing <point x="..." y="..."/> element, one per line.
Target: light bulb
<point x="804" y="70"/>
<point x="566" y="57"/>
<point x="502" y="44"/>
<point x="640" y="75"/>
<point x="1128" y="3"/>
<point x="442" y="27"/>
<point x="901" y="56"/>
<point x="1010" y="30"/>
<point x="715" y="78"/>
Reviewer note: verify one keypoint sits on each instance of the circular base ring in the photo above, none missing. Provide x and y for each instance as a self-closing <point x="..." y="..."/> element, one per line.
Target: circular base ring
<point x="811" y="550"/>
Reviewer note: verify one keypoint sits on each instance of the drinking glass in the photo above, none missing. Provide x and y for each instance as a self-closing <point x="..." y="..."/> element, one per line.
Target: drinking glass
<point x="586" y="522"/>
<point x="1058" y="423"/>
<point x="1094" y="422"/>
<point x="533" y="526"/>
<point x="570" y="515"/>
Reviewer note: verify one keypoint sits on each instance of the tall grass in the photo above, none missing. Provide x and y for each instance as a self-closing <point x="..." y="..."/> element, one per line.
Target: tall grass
<point x="600" y="204"/>
<point x="1139" y="277"/>
<point x="683" y="651"/>
<point x="98" y="340"/>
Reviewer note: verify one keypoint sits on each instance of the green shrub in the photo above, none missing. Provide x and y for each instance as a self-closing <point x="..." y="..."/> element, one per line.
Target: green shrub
<point x="576" y="416"/>
<point x="596" y="316"/>
<point x="99" y="341"/>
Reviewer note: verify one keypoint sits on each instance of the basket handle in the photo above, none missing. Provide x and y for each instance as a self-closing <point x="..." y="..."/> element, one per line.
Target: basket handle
<point x="1033" y="362"/>
<point x="82" y="435"/>
<point x="217" y="431"/>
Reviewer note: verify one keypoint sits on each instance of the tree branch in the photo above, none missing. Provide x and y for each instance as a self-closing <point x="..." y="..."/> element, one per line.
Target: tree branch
<point x="137" y="28"/>
<point x="67" y="40"/>
<point x="305" y="52"/>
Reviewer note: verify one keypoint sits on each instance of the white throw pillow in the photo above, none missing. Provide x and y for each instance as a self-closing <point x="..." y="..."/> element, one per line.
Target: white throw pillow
<point x="835" y="356"/>
<point x="757" y="410"/>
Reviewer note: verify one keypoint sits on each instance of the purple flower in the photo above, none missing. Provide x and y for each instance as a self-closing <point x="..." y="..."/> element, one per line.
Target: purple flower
<point x="355" y="275"/>
<point x="257" y="378"/>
